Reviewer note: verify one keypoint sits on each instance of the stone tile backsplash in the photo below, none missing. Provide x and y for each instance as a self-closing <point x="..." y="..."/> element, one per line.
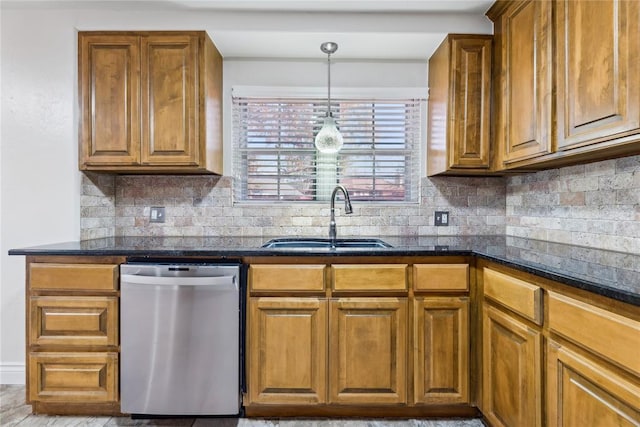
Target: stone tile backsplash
<point x="203" y="206"/>
<point x="594" y="205"/>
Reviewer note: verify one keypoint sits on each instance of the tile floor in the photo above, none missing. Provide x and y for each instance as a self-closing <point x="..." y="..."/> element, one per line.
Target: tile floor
<point x="13" y="412"/>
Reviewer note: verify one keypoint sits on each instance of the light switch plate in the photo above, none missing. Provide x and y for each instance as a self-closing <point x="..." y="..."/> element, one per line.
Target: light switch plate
<point x="441" y="219"/>
<point x="156" y="214"/>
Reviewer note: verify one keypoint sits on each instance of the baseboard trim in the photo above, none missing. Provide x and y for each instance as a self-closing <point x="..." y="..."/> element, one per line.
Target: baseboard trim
<point x="12" y="373"/>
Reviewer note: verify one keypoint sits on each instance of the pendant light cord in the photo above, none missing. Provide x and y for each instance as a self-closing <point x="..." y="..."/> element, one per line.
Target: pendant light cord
<point x="329" y="84"/>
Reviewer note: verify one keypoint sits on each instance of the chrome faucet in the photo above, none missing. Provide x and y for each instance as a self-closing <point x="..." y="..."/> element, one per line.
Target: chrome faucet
<point x="347" y="210"/>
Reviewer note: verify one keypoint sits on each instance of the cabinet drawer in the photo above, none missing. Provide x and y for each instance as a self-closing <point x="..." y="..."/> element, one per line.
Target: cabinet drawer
<point x="364" y="277"/>
<point x="73" y="377"/>
<point x="74" y="321"/>
<point x="441" y="277"/>
<point x="522" y="297"/>
<point x="294" y="278"/>
<point x="610" y="335"/>
<point x="73" y="276"/>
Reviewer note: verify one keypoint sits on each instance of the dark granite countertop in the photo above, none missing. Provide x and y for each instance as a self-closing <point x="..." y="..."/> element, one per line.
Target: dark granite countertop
<point x="612" y="274"/>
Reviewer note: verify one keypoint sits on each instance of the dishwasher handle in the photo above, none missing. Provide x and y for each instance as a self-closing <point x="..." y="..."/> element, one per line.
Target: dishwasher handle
<point x="217" y="282"/>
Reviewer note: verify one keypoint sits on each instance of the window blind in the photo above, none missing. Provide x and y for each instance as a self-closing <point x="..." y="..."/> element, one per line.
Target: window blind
<point x="275" y="158"/>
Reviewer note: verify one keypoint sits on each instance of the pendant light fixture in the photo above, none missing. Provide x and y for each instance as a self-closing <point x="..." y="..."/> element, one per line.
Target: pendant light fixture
<point x="329" y="139"/>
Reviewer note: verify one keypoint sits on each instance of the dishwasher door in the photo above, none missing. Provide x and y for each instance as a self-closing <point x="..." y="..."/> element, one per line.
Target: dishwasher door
<point x="180" y="339"/>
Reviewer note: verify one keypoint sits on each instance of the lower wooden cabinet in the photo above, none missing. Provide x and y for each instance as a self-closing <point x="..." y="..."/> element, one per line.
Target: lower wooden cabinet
<point x="367" y="350"/>
<point x="512" y="371"/>
<point x="73" y="321"/>
<point x="73" y="377"/>
<point x="350" y="337"/>
<point x="441" y="350"/>
<point x="287" y="350"/>
<point x="73" y="335"/>
<point x="584" y="392"/>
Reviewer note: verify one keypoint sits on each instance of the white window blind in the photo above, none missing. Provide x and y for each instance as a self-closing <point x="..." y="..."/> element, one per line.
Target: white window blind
<point x="275" y="158"/>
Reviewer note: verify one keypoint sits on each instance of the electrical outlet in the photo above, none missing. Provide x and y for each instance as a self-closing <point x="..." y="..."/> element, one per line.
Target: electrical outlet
<point x="156" y="214"/>
<point x="441" y="219"/>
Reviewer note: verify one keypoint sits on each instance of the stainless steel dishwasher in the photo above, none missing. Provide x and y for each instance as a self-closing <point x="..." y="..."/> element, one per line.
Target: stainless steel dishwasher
<point x="180" y="339"/>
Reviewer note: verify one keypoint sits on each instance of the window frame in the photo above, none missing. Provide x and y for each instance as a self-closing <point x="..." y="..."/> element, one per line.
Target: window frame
<point x="416" y="163"/>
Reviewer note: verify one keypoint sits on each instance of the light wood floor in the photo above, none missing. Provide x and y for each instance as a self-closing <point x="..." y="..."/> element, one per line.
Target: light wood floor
<point x="14" y="412"/>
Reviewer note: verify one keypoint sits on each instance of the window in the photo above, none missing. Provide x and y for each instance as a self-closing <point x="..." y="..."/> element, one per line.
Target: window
<point x="276" y="160"/>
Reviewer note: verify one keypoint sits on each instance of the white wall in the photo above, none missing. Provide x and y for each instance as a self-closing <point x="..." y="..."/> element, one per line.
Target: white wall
<point x="39" y="178"/>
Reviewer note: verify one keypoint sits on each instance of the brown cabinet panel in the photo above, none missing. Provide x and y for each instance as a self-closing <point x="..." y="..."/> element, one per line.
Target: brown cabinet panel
<point x="109" y="97"/>
<point x="582" y="392"/>
<point x="74" y="321"/>
<point x="287" y="277"/>
<point x="441" y="350"/>
<point x="368" y="351"/>
<point x="512" y="371"/>
<point x="441" y="277"/>
<point x="287" y="350"/>
<point x="614" y="337"/>
<point x="73" y="377"/>
<point x="98" y="277"/>
<point x="598" y="70"/>
<point x="170" y="100"/>
<point x="459" y="105"/>
<point x="369" y="277"/>
<point x="524" y="121"/>
<point x="522" y="297"/>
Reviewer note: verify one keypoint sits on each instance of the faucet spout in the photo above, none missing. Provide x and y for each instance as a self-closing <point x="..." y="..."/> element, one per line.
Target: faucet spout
<point x="348" y="209"/>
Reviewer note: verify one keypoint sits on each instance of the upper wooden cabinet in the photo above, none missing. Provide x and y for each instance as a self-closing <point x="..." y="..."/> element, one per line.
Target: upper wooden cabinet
<point x="459" y="106"/>
<point x="598" y="75"/>
<point x="567" y="81"/>
<point x="523" y="121"/>
<point x="150" y="102"/>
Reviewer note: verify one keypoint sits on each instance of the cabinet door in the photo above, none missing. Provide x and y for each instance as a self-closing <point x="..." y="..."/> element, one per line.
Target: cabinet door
<point x="582" y="392"/>
<point x="459" y="105"/>
<point x="367" y="360"/>
<point x="525" y="126"/>
<point x="598" y="94"/>
<point x="109" y="99"/>
<point x="511" y="370"/>
<point x="441" y="353"/>
<point x="286" y="350"/>
<point x="470" y="103"/>
<point x="170" y="100"/>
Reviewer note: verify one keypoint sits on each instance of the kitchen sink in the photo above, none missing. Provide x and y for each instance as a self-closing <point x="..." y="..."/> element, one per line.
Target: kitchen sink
<point x="311" y="243"/>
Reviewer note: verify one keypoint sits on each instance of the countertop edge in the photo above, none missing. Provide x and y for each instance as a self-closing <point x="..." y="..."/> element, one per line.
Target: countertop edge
<point x="596" y="288"/>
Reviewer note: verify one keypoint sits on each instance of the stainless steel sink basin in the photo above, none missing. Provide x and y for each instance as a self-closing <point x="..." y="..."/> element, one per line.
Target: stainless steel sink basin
<point x="311" y="243"/>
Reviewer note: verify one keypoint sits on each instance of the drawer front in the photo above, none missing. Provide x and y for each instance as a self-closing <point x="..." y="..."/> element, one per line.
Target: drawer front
<point x="103" y="277"/>
<point x="522" y="297"/>
<point x="73" y="377"/>
<point x="278" y="278"/>
<point x="441" y="277"/>
<point x="74" y="321"/>
<point x="374" y="277"/>
<point x="610" y="335"/>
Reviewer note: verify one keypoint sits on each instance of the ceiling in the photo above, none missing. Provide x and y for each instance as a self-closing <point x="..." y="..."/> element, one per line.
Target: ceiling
<point x="394" y="30"/>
